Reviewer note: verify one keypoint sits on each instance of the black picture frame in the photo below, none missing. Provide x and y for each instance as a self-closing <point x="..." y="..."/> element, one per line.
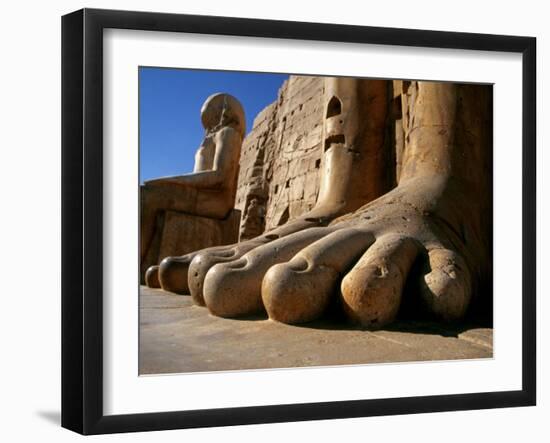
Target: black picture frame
<point x="82" y="218"/>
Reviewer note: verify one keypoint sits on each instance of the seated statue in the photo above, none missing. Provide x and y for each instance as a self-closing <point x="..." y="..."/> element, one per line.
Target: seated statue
<point x="210" y="190"/>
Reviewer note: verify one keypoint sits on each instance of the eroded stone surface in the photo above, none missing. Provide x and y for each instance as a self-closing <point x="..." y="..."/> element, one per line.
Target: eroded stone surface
<point x="281" y="157"/>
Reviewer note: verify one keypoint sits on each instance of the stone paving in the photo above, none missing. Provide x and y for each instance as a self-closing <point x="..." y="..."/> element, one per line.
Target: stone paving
<point x="176" y="336"/>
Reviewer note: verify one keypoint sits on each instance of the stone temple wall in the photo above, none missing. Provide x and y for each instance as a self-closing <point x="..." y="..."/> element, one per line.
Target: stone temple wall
<point x="279" y="174"/>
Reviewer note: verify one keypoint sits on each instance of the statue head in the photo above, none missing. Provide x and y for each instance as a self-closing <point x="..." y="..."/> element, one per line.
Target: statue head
<point x="220" y="110"/>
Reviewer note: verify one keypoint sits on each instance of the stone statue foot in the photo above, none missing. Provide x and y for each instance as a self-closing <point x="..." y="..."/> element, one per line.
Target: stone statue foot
<point x="171" y="273"/>
<point x="186" y="274"/>
<point x="233" y="288"/>
<point x="152" y="277"/>
<point x="203" y="260"/>
<point x="364" y="258"/>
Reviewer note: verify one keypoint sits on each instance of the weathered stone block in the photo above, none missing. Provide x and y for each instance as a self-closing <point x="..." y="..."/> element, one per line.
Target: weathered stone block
<point x="183" y="233"/>
<point x="286" y="143"/>
<point x="179" y="233"/>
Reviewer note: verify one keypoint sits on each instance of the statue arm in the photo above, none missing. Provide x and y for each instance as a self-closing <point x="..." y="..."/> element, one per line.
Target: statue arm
<point x="226" y="158"/>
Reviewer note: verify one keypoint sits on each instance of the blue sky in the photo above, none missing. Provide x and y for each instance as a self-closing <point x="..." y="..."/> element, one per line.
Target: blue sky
<point x="170" y="129"/>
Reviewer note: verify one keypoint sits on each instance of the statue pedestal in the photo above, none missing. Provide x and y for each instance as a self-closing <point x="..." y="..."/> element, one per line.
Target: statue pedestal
<point x="178" y="233"/>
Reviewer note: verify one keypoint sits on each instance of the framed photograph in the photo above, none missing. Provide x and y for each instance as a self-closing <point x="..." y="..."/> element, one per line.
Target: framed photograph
<point x="269" y="221"/>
